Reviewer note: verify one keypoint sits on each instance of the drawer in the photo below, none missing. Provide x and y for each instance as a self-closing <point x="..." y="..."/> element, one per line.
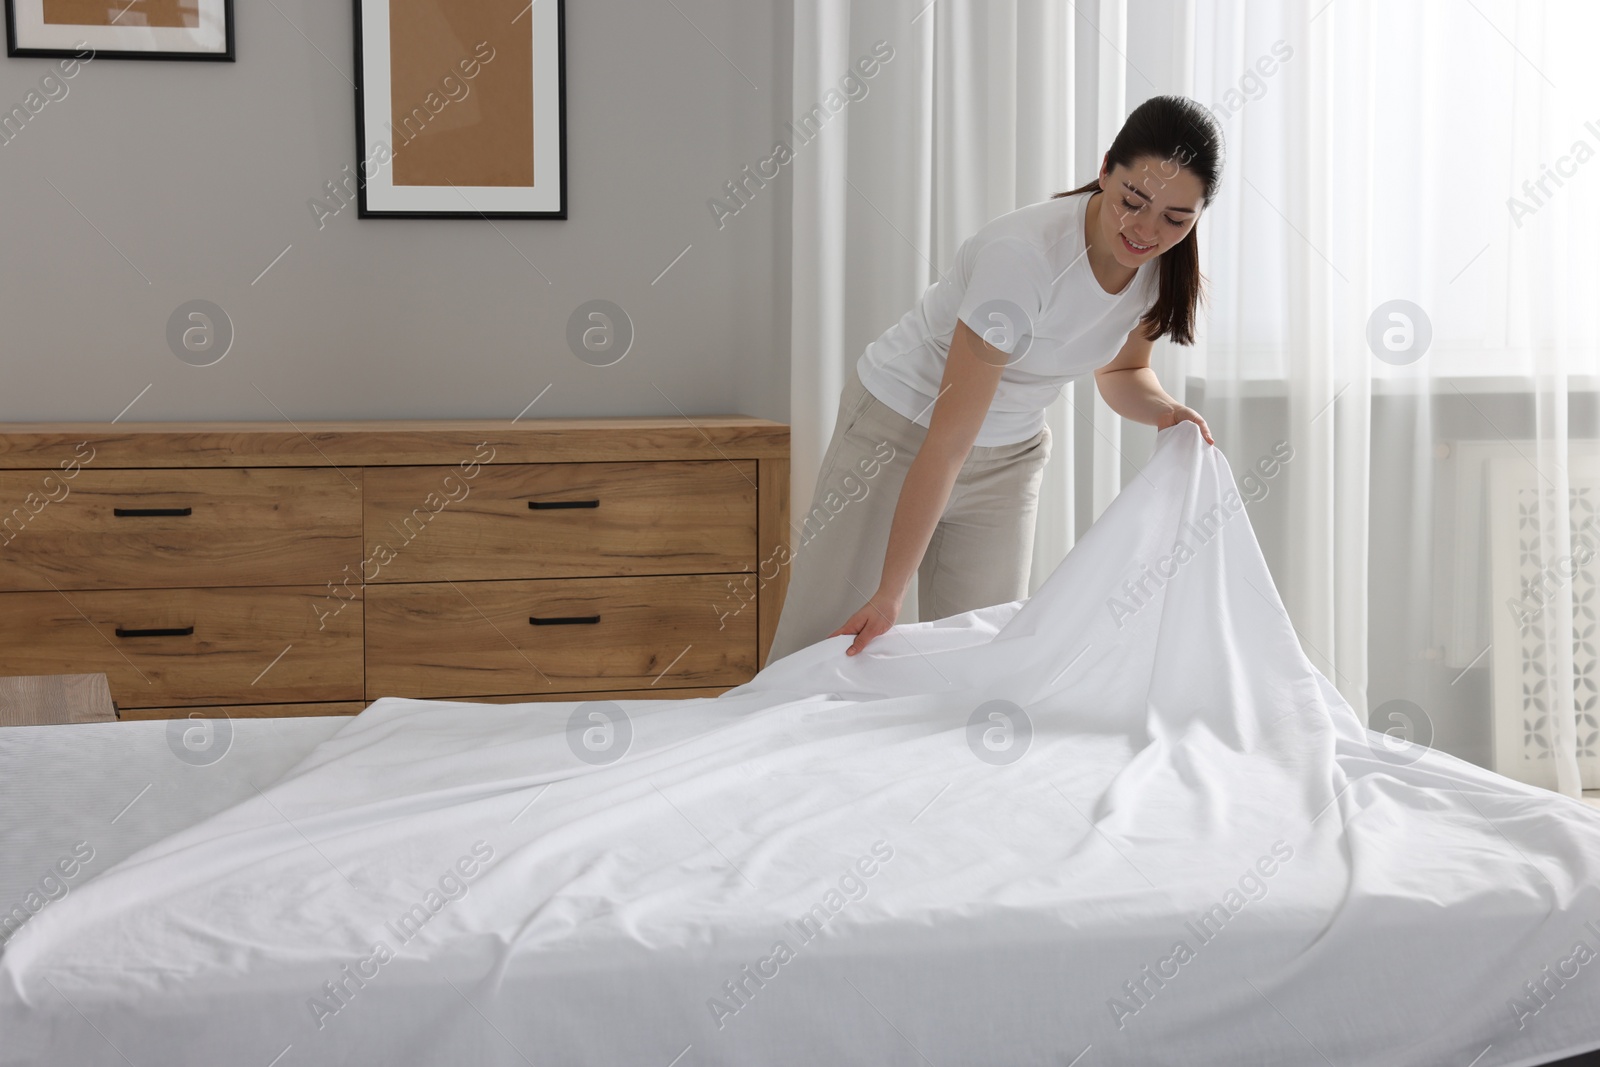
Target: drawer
<point x="244" y="646"/>
<point x="245" y="711"/>
<point x="658" y="693"/>
<point x="558" y="520"/>
<point x="464" y="639"/>
<point x="165" y="529"/>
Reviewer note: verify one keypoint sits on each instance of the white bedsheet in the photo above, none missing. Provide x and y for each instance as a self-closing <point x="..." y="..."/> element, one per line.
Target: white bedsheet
<point x="1183" y="761"/>
<point x="103" y="791"/>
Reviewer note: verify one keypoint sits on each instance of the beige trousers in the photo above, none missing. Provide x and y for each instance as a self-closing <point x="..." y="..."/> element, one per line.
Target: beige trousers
<point x="981" y="550"/>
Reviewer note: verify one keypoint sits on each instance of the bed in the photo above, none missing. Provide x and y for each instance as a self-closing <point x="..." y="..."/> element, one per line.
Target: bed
<point x="1058" y="831"/>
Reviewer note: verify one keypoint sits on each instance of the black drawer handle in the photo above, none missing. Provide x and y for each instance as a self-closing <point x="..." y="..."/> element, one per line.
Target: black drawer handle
<point x="541" y="505"/>
<point x="563" y="620"/>
<point x="157" y="631"/>
<point x="151" y="511"/>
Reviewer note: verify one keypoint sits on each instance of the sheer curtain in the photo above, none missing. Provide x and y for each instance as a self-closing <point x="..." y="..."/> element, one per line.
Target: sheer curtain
<point x="1404" y="291"/>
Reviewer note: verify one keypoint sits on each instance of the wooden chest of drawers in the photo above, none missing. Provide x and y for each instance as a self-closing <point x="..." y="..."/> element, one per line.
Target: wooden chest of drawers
<point x="269" y="569"/>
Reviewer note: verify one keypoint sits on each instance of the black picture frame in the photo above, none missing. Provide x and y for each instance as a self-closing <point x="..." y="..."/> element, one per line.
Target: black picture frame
<point x="364" y="210"/>
<point x="15" y="51"/>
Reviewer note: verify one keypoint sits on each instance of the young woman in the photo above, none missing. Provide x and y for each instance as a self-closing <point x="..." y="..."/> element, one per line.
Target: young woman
<point x="943" y="415"/>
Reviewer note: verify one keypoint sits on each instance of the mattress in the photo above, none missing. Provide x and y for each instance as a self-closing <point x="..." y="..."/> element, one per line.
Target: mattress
<point x="1062" y="830"/>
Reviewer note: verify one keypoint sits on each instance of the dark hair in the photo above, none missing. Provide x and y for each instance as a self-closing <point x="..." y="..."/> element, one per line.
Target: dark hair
<point x="1173" y="128"/>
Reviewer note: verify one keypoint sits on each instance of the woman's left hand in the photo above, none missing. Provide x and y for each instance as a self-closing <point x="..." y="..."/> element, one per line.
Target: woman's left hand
<point x="1182" y="414"/>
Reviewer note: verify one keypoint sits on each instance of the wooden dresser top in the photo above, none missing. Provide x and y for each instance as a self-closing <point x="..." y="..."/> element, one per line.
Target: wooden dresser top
<point x="391" y="442"/>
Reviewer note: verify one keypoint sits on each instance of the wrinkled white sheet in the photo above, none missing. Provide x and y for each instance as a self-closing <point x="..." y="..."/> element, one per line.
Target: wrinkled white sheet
<point x="1199" y="857"/>
<point x="109" y="789"/>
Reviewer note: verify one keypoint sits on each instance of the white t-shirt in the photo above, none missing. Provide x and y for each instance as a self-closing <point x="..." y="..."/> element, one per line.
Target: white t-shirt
<point x="1027" y="266"/>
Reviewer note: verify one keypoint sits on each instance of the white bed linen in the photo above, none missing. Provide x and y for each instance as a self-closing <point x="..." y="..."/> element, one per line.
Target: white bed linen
<point x="1400" y="901"/>
<point x="106" y="790"/>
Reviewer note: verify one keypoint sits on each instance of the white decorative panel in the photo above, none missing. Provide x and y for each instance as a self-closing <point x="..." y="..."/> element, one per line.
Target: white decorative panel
<point x="1527" y="570"/>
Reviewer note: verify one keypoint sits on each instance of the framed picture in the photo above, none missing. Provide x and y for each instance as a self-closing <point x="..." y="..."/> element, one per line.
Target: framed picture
<point x="460" y="109"/>
<point x="120" y="29"/>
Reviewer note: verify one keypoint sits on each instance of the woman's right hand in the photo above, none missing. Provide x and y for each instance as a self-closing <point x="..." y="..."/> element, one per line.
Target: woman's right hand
<point x="971" y="377"/>
<point x="874" y="618"/>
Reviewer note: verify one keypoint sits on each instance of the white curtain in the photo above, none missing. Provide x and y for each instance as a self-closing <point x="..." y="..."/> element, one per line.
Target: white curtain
<point x="1431" y="530"/>
<point x="1423" y="539"/>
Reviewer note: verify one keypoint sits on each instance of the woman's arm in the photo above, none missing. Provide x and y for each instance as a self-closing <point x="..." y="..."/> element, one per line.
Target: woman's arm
<point x="1132" y="390"/>
<point x="971" y="377"/>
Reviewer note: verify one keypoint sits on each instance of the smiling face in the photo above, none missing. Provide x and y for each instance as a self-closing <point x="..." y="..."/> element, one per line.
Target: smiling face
<point x="1147" y="208"/>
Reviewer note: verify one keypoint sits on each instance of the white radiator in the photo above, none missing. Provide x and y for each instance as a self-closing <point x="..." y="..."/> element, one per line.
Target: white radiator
<point x="1525" y="569"/>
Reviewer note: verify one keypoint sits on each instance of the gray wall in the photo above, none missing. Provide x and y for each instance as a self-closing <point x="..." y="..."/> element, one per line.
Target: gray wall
<point x="196" y="175"/>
